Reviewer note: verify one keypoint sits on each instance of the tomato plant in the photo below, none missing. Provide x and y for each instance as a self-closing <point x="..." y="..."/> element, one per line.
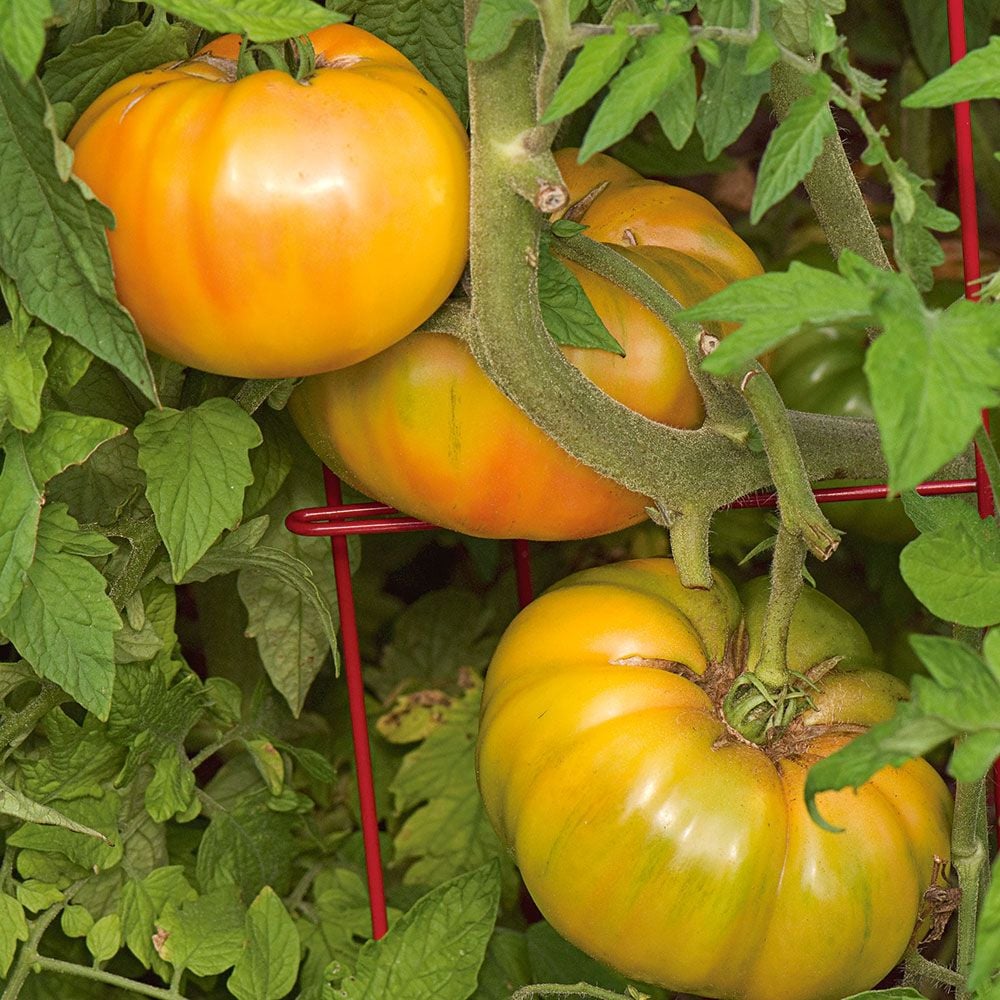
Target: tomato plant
<point x="655" y="837"/>
<point x="257" y="216"/>
<point x="421" y="427"/>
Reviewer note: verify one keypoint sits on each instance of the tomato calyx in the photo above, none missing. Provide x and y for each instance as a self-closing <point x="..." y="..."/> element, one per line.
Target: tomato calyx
<point x="296" y="57"/>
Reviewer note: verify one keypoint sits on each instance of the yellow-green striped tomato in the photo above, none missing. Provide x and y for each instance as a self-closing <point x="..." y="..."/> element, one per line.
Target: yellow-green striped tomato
<point x="658" y="840"/>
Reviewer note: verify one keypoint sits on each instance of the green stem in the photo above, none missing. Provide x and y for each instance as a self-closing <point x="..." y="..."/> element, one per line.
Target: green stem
<point x="19" y="724"/>
<point x="832" y="187"/>
<point x="28" y="953"/>
<point x="253" y="393"/>
<point x="969" y="855"/>
<point x="565" y="990"/>
<point x="800" y="513"/>
<point x="918" y="967"/>
<point x="144" y="540"/>
<point x="100" y="976"/>
<point x="785" y="587"/>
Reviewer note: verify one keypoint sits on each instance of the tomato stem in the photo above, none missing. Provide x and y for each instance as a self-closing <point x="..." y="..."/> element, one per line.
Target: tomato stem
<point x="971" y="859"/>
<point x="567" y="990"/>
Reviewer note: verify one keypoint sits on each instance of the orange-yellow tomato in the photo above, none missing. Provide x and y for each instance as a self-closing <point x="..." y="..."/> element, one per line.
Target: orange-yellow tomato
<point x="422" y="428"/>
<point x="656" y="839"/>
<point x="268" y="227"/>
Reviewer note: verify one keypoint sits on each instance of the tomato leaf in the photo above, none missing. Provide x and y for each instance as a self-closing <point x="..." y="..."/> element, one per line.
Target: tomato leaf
<point x="794" y="146"/>
<point x="259" y="20"/>
<point x="955" y="570"/>
<point x="729" y="93"/>
<point x="22" y="33"/>
<point x="661" y="62"/>
<point x="204" y="935"/>
<point x="22" y="376"/>
<point x="267" y="967"/>
<point x="431" y="34"/>
<point x="566" y="311"/>
<point x="197" y="468"/>
<point x="495" y="25"/>
<point x="30" y="461"/>
<point x="448" y="831"/>
<point x="105" y="937"/>
<point x="13" y="928"/>
<point x="976" y="75"/>
<point x="14" y="803"/>
<point x="142" y="901"/>
<point x="83" y="71"/>
<point x="930" y="373"/>
<point x="59" y="260"/>
<point x="434" y="951"/>
<point x="774" y="306"/>
<point x="796" y="21"/>
<point x="63" y="622"/>
<point x="596" y="63"/>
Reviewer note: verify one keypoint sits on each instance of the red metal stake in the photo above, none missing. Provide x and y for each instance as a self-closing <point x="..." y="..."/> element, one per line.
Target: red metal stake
<point x="965" y="166"/>
<point x="522" y="570"/>
<point x="359" y="720"/>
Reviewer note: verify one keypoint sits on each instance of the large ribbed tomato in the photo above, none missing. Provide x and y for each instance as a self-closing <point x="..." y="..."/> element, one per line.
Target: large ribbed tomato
<point x="422" y="428"/>
<point x="658" y="840"/>
<point x="269" y="227"/>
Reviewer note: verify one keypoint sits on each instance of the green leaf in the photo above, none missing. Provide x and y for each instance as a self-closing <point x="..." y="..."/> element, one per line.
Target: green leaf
<point x="54" y="247"/>
<point x="914" y="214"/>
<point x="448" y="831"/>
<point x="794" y="146"/>
<point x="22" y="375"/>
<point x="203" y="935"/>
<point x="61" y="440"/>
<point x="596" y="63"/>
<point x="796" y="22"/>
<point x="291" y="623"/>
<point x="63" y="622"/>
<point x="962" y="690"/>
<point x="22" y="33"/>
<point x="908" y="734"/>
<point x="105" y="937"/>
<point x="566" y="311"/>
<point x="506" y="966"/>
<point x="976" y="75"/>
<point x="677" y="110"/>
<point x="37" y="896"/>
<point x="660" y="62"/>
<point x="762" y="54"/>
<point x="269" y="963"/>
<point x="930" y="514"/>
<point x="80" y="847"/>
<point x="431" y="33"/>
<point x="495" y="25"/>
<point x="955" y="571"/>
<point x="259" y="20"/>
<point x="197" y="468"/>
<point x="435" y="950"/>
<point x="171" y="791"/>
<point x="83" y="71"/>
<point x="729" y="92"/>
<point x="774" y="306"/>
<point x="930" y="375"/>
<point x="248" y="846"/>
<point x="75" y="921"/>
<point x="13" y="928"/>
<point x="13" y="803"/>
<point x="987" y="954"/>
<point x="142" y="901"/>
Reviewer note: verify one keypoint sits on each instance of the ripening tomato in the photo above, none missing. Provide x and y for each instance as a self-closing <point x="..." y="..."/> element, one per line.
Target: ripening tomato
<point x="421" y="427"/>
<point x="269" y="227"/>
<point x="659" y="841"/>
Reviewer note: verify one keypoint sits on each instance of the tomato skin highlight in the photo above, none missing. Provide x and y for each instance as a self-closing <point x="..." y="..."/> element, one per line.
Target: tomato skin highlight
<point x="657" y="841"/>
<point x="267" y="227"/>
<point x="420" y="427"/>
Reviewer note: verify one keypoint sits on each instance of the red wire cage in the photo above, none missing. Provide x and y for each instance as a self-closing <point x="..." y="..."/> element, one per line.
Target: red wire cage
<point x="338" y="520"/>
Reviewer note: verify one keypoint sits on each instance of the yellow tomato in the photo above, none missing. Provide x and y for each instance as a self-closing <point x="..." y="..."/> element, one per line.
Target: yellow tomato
<point x="269" y="227"/>
<point x="659" y="841"/>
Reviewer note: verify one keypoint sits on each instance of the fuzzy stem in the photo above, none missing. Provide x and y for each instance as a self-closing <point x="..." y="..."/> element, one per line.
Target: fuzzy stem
<point x="144" y="540"/>
<point x="21" y="723"/>
<point x="565" y="990"/>
<point x="786" y="584"/>
<point x="800" y="513"/>
<point x="832" y="187"/>
<point x="969" y="855"/>
<point x="100" y="976"/>
<point x="28" y="954"/>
